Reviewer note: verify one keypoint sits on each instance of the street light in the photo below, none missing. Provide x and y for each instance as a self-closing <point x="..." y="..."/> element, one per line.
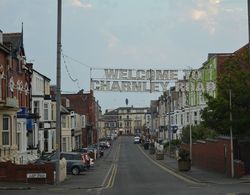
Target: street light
<point x="166" y="98"/>
<point x="58" y="90"/>
<point x="163" y="100"/>
<point x="190" y="130"/>
<point x="231" y="134"/>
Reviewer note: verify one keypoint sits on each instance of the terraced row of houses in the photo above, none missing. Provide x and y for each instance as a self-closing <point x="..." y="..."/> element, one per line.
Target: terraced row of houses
<point x="28" y="108"/>
<point x="177" y="107"/>
<point x="181" y="105"/>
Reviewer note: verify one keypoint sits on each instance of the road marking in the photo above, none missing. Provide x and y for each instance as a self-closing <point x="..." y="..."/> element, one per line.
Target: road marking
<point x="112" y="177"/>
<point x="168" y="170"/>
<point x="117" y="155"/>
<point x="108" y="173"/>
<point x="111" y="174"/>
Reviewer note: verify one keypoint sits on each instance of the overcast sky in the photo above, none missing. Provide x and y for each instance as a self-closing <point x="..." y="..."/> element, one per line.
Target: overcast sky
<point x="148" y="34"/>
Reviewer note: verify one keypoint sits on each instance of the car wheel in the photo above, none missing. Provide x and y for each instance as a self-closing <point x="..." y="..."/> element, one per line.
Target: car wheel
<point x="75" y="171"/>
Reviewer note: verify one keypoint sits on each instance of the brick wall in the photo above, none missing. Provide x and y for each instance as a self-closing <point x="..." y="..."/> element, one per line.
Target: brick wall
<point x="10" y="172"/>
<point x="215" y="155"/>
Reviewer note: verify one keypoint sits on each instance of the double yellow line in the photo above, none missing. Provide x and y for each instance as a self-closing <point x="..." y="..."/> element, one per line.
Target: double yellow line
<point x="111" y="181"/>
<point x="111" y="175"/>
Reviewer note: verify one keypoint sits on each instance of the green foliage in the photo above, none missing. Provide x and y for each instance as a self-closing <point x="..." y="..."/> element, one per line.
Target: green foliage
<point x="235" y="77"/>
<point x="198" y="132"/>
<point x="184" y="154"/>
<point x="174" y="143"/>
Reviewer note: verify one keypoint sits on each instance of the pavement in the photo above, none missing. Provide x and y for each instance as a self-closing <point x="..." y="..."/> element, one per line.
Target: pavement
<point x="90" y="179"/>
<point x="197" y="174"/>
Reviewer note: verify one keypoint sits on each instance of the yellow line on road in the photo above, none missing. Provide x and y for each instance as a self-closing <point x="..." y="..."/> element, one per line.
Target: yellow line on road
<point x="111" y="174"/>
<point x="117" y="155"/>
<point x="112" y="177"/>
<point x="169" y="170"/>
<point x="108" y="173"/>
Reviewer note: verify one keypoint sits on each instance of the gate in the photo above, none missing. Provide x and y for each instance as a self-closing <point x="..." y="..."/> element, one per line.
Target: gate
<point x="243" y="153"/>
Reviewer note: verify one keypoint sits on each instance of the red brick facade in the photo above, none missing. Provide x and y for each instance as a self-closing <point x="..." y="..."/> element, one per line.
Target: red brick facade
<point x="84" y="104"/>
<point x="18" y="74"/>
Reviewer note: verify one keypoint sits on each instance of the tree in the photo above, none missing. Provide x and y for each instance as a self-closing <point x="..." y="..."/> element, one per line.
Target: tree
<point x="234" y="77"/>
<point x="199" y="132"/>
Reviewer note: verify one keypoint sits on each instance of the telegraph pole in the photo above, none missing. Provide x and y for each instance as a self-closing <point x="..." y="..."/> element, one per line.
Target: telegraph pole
<point x="58" y="89"/>
<point x="231" y="134"/>
<point x="248" y="5"/>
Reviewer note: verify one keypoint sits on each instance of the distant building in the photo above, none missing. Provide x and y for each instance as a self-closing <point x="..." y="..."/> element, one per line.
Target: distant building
<point x="126" y="120"/>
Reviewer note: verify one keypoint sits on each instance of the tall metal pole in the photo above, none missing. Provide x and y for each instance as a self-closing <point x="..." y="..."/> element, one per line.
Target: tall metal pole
<point x="169" y="123"/>
<point x="165" y="115"/>
<point x="190" y="129"/>
<point x="58" y="89"/>
<point x="190" y="122"/>
<point x="231" y="134"/>
<point x="248" y="5"/>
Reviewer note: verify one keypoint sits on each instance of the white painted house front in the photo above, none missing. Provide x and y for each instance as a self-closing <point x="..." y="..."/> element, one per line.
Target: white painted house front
<point x="45" y="128"/>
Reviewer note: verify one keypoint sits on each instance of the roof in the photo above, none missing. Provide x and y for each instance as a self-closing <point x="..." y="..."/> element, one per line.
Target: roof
<point x="13" y="41"/>
<point x="46" y="78"/>
<point x="4" y="49"/>
<point x="78" y="102"/>
<point x="115" y="111"/>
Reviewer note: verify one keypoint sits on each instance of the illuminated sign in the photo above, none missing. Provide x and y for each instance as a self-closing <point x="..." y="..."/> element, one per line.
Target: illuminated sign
<point x="133" y="80"/>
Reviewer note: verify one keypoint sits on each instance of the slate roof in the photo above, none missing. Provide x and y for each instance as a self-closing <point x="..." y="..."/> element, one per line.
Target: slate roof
<point x="14" y="41"/>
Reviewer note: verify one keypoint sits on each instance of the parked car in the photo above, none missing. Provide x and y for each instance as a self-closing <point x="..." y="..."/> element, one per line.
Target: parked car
<point x="137" y="139"/>
<point x="104" y="144"/>
<point x="75" y="161"/>
<point x="86" y="152"/>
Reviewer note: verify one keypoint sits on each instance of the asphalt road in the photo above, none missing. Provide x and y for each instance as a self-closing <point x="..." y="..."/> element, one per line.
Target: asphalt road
<point x="127" y="170"/>
<point x="136" y="174"/>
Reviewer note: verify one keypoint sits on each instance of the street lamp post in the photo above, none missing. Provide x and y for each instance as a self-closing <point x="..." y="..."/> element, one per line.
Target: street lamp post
<point x="190" y="130"/>
<point x="169" y="124"/>
<point x="231" y="134"/>
<point x="166" y="99"/>
<point x="58" y="91"/>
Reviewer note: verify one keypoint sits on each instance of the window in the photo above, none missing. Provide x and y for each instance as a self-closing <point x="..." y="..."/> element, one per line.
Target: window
<point x="46" y="111"/>
<point x="18" y="135"/>
<point x="53" y="113"/>
<point x="73" y="122"/>
<point x="18" y="140"/>
<point x="6" y="131"/>
<point x="63" y="121"/>
<point x="53" y="140"/>
<point x="83" y="121"/>
<point x="36" y="108"/>
<point x="64" y="144"/>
